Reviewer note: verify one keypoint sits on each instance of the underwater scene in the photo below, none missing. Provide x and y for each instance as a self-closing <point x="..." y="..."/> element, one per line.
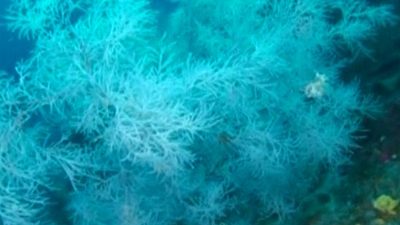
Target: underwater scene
<point x="199" y="112"/>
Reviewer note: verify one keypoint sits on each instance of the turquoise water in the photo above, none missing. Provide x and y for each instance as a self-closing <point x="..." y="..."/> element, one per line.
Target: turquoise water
<point x="199" y="112"/>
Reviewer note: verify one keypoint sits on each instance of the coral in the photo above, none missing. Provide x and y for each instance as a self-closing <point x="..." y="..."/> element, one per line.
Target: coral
<point x="217" y="115"/>
<point x="386" y="204"/>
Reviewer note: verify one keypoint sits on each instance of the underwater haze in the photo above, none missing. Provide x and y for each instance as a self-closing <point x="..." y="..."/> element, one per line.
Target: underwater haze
<point x="199" y="112"/>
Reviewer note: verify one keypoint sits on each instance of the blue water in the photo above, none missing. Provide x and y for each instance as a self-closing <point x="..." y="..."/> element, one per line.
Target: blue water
<point x="12" y="48"/>
<point x="202" y="112"/>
